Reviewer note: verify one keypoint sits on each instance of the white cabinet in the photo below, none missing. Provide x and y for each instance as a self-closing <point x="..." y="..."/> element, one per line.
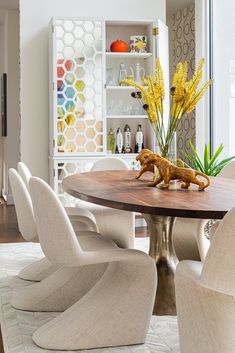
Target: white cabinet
<point x="86" y="99"/>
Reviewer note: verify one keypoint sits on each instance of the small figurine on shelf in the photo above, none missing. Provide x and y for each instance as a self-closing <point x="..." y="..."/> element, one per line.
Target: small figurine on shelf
<point x="119" y="141"/>
<point x="139" y="140"/>
<point x="127" y="139"/>
<point x="111" y="141"/>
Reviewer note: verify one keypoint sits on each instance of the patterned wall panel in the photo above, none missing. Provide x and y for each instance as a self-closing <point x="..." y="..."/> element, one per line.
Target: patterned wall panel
<point x="182" y="48"/>
<point x="78" y="46"/>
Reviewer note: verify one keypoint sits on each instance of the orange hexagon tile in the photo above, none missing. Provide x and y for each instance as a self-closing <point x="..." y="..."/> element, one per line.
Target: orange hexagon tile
<point x="80" y="126"/>
<point x="99" y="140"/>
<point x="80" y="140"/>
<point x="70" y="134"/>
<point x="90" y="146"/>
<point x="90" y="133"/>
<point x="99" y="126"/>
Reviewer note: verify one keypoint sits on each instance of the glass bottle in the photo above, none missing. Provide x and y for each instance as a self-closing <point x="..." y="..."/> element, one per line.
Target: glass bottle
<point x="127" y="139"/>
<point x="122" y="74"/>
<point x="139" y="140"/>
<point x="111" y="141"/>
<point x="119" y="141"/>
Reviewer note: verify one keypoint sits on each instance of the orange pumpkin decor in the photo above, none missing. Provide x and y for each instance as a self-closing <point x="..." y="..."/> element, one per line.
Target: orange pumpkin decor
<point x="119" y="46"/>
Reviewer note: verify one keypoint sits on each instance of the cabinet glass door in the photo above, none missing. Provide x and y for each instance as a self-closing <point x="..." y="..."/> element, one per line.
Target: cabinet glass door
<point x="78" y="86"/>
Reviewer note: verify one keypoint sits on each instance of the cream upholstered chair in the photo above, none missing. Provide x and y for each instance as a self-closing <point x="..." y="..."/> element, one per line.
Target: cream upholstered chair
<point x="116" y="310"/>
<point x="81" y="218"/>
<point x="189" y="235"/>
<point x="42" y="268"/>
<point x="108" y="219"/>
<point x="205" y="295"/>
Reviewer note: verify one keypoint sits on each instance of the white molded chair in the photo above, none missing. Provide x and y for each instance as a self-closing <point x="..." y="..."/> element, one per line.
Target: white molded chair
<point x="108" y="219"/>
<point x="42" y="268"/>
<point x="116" y="310"/>
<point x="205" y="295"/>
<point x="81" y="218"/>
<point x="189" y="237"/>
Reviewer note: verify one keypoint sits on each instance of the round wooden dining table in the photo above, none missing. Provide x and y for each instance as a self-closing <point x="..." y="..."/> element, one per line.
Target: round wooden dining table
<point x="160" y="207"/>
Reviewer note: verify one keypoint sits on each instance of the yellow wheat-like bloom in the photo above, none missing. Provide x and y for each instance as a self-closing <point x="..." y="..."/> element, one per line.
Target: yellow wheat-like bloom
<point x="148" y="97"/>
<point x="159" y="79"/>
<point x="197" y="96"/>
<point x="184" y="97"/>
<point x="179" y="81"/>
<point x="192" y="85"/>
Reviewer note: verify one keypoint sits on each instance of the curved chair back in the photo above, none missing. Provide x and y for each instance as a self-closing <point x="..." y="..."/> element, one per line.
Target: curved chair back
<point x="109" y="163"/>
<point x="218" y="270"/>
<point x="57" y="237"/>
<point x="228" y="171"/>
<point x="23" y="206"/>
<point x="24" y="172"/>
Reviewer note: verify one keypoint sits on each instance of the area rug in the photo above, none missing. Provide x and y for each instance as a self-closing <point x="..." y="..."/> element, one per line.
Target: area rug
<point x="18" y="326"/>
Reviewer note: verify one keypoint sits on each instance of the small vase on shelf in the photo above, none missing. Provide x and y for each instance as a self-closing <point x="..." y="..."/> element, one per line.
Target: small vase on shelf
<point x="111" y="141"/>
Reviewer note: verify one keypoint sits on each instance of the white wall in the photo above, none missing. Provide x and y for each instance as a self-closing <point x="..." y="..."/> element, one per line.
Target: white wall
<point x="34" y="19"/>
<point x="12" y="68"/>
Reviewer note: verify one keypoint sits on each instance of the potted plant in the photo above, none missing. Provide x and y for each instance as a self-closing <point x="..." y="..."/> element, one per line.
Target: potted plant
<point x="209" y="165"/>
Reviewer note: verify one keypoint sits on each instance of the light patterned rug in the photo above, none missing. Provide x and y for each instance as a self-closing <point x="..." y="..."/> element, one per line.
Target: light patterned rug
<point x="18" y="326"/>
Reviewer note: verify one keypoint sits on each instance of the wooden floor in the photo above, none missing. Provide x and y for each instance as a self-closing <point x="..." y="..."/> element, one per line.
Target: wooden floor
<point x="9" y="232"/>
<point x="8" y="225"/>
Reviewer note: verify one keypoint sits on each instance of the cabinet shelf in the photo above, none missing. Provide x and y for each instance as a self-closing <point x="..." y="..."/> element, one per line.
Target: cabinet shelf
<point x="128" y="55"/>
<point x="123" y="155"/>
<point x="120" y="88"/>
<point x="139" y="116"/>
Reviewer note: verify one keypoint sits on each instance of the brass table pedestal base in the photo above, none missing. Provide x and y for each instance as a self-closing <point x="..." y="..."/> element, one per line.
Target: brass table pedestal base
<point x="162" y="251"/>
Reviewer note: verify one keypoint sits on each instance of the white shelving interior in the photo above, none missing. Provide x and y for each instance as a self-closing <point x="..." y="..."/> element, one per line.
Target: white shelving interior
<point x="121" y="107"/>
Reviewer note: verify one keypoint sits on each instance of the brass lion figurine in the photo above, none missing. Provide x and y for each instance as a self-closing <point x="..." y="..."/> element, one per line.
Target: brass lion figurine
<point x="142" y="157"/>
<point x="168" y="172"/>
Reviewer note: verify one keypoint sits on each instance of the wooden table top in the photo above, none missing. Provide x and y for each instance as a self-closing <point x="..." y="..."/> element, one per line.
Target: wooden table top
<point x="120" y="189"/>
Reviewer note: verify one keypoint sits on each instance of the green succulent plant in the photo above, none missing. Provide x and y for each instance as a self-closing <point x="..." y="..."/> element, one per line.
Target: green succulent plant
<point x="210" y="165"/>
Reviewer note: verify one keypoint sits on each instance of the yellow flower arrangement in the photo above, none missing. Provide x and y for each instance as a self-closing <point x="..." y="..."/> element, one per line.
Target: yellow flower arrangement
<point x="184" y="97"/>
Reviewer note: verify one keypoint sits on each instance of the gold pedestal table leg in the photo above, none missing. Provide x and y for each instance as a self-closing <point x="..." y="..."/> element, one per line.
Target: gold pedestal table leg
<point x="162" y="251"/>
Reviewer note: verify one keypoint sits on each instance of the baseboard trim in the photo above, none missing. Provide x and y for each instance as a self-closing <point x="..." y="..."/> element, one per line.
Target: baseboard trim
<point x="8" y="199"/>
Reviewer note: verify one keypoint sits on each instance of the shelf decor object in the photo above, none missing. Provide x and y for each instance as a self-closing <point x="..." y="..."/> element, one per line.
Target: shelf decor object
<point x="86" y="100"/>
<point x="184" y="97"/>
<point x="119" y="46"/>
<point x="138" y="44"/>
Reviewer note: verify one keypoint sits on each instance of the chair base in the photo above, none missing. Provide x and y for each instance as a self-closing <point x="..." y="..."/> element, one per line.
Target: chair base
<point x="115" y="312"/>
<point x="38" y="270"/>
<point x="60" y="290"/>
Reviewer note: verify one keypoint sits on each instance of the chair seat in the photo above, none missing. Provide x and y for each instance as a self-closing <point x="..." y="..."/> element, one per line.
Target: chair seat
<point x="92" y="241"/>
<point x="109" y="225"/>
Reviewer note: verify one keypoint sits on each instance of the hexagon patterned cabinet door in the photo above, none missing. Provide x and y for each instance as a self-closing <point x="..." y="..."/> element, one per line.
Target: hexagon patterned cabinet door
<point x="65" y="167"/>
<point x="78" y="86"/>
